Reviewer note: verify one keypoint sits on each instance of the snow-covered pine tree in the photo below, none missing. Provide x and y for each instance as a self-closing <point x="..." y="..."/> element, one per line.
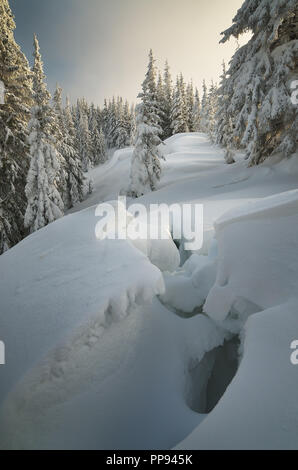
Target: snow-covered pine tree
<point x="83" y="138"/>
<point x="161" y="104"/>
<point x="15" y="74"/>
<point x="112" y="123"/>
<point x="222" y="112"/>
<point x="212" y="110"/>
<point x="75" y="182"/>
<point x="182" y="85"/>
<point x="224" y="129"/>
<point x="145" y="166"/>
<point x="104" y="119"/>
<point x="102" y="147"/>
<point x="84" y="108"/>
<point x="92" y="116"/>
<point x="128" y="115"/>
<point x="265" y="120"/>
<point x="196" y="112"/>
<point x="133" y="125"/>
<point x="120" y="134"/>
<point x="85" y="144"/>
<point x="59" y="130"/>
<point x="98" y="114"/>
<point x="98" y="142"/>
<point x="74" y="114"/>
<point x="116" y="119"/>
<point x="179" y="112"/>
<point x="204" y="116"/>
<point x="168" y="103"/>
<point x="44" y="201"/>
<point x="190" y="102"/>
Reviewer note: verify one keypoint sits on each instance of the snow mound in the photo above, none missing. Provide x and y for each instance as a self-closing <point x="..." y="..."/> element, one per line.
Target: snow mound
<point x="188" y="287"/>
<point x="259" y="409"/>
<point x="61" y="290"/>
<point x="278" y="205"/>
<point x="129" y="389"/>
<point x="258" y="248"/>
<point x="256" y="297"/>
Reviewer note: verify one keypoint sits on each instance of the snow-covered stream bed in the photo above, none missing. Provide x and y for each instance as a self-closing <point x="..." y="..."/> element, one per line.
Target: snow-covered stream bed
<point x="106" y="351"/>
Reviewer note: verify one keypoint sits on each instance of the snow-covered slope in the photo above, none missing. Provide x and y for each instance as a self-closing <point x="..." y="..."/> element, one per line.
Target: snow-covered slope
<point x="90" y="363"/>
<point x="256" y="296"/>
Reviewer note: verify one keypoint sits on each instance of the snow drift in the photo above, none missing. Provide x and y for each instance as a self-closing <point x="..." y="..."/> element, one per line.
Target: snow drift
<point x="256" y="297"/>
<point x="106" y="351"/>
<point x="60" y="290"/>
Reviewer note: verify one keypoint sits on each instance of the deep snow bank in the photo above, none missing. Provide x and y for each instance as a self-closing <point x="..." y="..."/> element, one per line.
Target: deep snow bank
<point x="60" y="290"/>
<point x="258" y="257"/>
<point x="88" y="367"/>
<point x="256" y="296"/>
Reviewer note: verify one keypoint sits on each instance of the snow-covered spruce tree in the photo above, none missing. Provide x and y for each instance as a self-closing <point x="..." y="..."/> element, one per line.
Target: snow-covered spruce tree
<point x="265" y="120"/>
<point x="75" y="179"/>
<point x="99" y="154"/>
<point x="112" y="124"/>
<point x="121" y="136"/>
<point x="98" y="114"/>
<point x="102" y="147"/>
<point x="85" y="144"/>
<point x="222" y="112"/>
<point x="145" y="166"/>
<point x="204" y="116"/>
<point x="44" y="201"/>
<point x="83" y="137"/>
<point x="129" y="123"/>
<point x="168" y="102"/>
<point x="132" y="125"/>
<point x="104" y="119"/>
<point x="117" y="121"/>
<point x="190" y="102"/>
<point x="179" y="111"/>
<point x="92" y="116"/>
<point x="196" y="112"/>
<point x="15" y="74"/>
<point x="59" y="131"/>
<point x="124" y="124"/>
<point x="161" y="105"/>
<point x="224" y="121"/>
<point x="212" y="111"/>
<point x="182" y="85"/>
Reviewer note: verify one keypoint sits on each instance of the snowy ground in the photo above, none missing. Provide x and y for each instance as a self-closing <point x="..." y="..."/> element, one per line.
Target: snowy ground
<point x="104" y="350"/>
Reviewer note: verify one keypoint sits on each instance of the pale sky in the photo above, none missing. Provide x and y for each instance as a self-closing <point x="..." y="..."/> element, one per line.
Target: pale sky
<point x="99" y="48"/>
